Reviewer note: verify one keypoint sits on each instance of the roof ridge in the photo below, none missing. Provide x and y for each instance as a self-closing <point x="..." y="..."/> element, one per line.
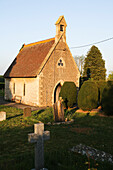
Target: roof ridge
<point x="59" y="19"/>
<point x="39" y="42"/>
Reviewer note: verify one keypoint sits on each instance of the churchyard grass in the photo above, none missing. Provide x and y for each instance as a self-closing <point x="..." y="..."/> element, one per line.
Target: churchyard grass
<point x="17" y="153"/>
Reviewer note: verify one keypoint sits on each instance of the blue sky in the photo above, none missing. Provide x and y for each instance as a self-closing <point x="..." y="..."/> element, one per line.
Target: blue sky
<point x="27" y="21"/>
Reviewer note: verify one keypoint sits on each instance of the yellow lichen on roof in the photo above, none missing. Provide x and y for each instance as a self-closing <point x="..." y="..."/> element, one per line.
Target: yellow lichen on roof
<point x="39" y="42"/>
<point x="59" y="19"/>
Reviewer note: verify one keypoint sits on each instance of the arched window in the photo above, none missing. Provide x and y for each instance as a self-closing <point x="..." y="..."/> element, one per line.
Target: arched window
<point x="24" y="89"/>
<point x="13" y="88"/>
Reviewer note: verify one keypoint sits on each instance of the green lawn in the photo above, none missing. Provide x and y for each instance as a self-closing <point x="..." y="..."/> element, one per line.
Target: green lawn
<point x="17" y="153"/>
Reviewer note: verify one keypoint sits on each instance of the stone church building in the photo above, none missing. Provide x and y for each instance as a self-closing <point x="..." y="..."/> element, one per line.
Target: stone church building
<point x="39" y="70"/>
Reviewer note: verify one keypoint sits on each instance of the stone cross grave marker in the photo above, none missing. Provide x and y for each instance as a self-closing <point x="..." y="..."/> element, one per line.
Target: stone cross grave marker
<point x="38" y="138"/>
<point x="27" y="112"/>
<point x="2" y="116"/>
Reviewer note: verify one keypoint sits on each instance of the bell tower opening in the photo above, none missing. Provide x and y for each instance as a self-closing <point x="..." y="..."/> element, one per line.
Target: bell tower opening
<point x="61" y="29"/>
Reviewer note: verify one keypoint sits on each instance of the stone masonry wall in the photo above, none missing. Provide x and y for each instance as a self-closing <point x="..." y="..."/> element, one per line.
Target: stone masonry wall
<point x="52" y="74"/>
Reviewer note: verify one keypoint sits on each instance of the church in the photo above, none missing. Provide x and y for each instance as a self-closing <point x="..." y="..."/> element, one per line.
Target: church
<point x="39" y="70"/>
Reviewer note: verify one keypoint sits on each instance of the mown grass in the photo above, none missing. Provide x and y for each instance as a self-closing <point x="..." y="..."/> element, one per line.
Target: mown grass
<point x="17" y="153"/>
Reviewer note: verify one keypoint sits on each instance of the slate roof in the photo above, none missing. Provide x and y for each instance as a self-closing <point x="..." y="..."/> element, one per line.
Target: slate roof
<point x="29" y="59"/>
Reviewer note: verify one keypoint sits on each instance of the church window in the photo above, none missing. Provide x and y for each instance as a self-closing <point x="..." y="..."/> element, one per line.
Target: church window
<point x="13" y="88"/>
<point x="61" y="27"/>
<point x="24" y="89"/>
<point x="60" y="63"/>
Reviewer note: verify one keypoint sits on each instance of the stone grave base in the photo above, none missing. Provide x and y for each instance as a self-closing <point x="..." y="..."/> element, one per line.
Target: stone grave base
<point x="92" y="152"/>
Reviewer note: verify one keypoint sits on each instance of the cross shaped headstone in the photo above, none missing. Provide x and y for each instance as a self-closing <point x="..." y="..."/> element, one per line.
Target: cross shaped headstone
<point x="38" y="138"/>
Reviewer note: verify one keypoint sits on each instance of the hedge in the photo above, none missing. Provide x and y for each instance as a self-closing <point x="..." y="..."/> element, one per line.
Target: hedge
<point x="107" y="98"/>
<point x="88" y="95"/>
<point x="2" y="79"/>
<point x="2" y="86"/>
<point x="69" y="94"/>
<point x="101" y="85"/>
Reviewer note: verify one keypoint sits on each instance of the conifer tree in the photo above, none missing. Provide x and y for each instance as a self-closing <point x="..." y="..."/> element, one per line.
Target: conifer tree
<point x="94" y="66"/>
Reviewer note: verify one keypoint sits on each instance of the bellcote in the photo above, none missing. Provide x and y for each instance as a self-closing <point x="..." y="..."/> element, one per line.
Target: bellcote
<point x="60" y="29"/>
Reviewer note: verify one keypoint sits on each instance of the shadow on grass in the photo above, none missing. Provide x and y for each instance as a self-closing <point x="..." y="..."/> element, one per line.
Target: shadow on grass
<point x="39" y="112"/>
<point x="14" y="116"/>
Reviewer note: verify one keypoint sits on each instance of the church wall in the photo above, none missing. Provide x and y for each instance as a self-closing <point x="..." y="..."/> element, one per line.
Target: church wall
<point x="52" y="74"/>
<point x="24" y="89"/>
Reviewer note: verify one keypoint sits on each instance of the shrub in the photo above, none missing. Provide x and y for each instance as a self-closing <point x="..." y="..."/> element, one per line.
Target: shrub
<point x="107" y="98"/>
<point x="69" y="94"/>
<point x="101" y="85"/>
<point x="88" y="95"/>
<point x="2" y="79"/>
<point x="2" y="85"/>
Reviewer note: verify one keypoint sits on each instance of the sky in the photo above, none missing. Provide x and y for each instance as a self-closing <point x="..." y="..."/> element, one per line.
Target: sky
<point x="28" y="21"/>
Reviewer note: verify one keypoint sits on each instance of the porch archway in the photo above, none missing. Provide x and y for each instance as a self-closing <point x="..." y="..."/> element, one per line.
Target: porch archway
<point x="56" y="92"/>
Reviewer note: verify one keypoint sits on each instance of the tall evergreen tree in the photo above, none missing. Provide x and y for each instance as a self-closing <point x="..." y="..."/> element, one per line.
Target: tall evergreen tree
<point x="94" y="66"/>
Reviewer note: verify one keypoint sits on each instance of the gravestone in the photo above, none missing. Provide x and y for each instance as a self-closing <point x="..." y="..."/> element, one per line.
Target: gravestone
<point x="58" y="111"/>
<point x="2" y="116"/>
<point x="38" y="138"/>
<point x="27" y="112"/>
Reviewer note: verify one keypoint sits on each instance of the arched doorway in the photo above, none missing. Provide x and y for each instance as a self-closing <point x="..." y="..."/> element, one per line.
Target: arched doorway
<point x="56" y="92"/>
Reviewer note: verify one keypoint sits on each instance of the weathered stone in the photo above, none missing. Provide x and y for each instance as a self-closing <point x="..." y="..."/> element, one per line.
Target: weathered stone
<point x="92" y="152"/>
<point x="27" y="112"/>
<point x="38" y="138"/>
<point x="58" y="111"/>
<point x="2" y="116"/>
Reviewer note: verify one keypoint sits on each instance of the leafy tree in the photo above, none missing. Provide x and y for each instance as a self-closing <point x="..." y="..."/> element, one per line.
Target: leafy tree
<point x="80" y="62"/>
<point x="110" y="76"/>
<point x="94" y="66"/>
